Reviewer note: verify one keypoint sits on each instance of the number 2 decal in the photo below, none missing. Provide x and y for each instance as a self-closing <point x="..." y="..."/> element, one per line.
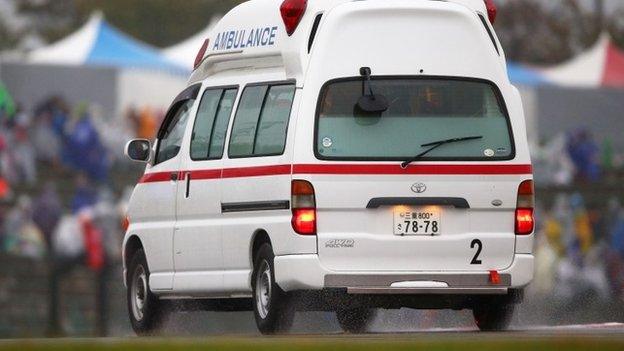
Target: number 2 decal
<point x="479" y="245"/>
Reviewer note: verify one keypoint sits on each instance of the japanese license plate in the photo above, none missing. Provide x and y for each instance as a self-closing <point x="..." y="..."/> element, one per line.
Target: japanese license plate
<point x="417" y="222"/>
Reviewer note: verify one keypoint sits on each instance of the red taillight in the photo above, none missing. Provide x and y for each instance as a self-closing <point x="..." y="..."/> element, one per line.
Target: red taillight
<point x="525" y="221"/>
<point x="304" y="220"/>
<point x="303" y="207"/>
<point x="491" y="10"/>
<point x="292" y="12"/>
<point x="200" y="54"/>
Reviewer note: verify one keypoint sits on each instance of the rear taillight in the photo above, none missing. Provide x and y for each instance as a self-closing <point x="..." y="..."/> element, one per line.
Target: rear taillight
<point x="525" y="221"/>
<point x="491" y="10"/>
<point x="303" y="207"/>
<point x="200" y="54"/>
<point x="292" y="12"/>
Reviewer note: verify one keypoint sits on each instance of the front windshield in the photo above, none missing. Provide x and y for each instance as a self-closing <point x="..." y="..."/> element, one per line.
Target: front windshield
<point x="420" y="111"/>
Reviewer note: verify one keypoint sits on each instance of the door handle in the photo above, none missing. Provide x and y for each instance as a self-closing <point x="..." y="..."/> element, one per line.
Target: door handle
<point x="188" y="185"/>
<point x="174" y="176"/>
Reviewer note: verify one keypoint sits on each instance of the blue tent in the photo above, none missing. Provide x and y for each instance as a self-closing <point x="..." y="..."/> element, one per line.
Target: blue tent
<point x="521" y="75"/>
<point x="113" y="47"/>
<point x="99" y="43"/>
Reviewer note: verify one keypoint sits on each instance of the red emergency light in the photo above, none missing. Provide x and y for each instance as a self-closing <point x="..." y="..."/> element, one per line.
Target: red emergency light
<point x="292" y="12"/>
<point x="491" y="10"/>
<point x="200" y="54"/>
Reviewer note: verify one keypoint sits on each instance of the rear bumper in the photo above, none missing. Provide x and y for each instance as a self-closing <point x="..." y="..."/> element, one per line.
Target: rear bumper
<point x="305" y="272"/>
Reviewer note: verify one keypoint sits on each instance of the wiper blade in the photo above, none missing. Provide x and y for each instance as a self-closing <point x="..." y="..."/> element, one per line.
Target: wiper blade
<point x="436" y="144"/>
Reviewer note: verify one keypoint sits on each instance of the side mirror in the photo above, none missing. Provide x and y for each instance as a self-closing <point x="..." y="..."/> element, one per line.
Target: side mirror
<point x="138" y="150"/>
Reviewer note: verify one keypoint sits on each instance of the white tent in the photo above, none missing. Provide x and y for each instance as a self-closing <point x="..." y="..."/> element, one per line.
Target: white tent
<point x="73" y="49"/>
<point x="184" y="53"/>
<point x="584" y="70"/>
<point x="602" y="65"/>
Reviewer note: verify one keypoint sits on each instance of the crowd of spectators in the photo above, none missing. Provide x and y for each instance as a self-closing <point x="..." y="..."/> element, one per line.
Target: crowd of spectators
<point x="55" y="169"/>
<point x="580" y="236"/>
<point x="58" y="200"/>
<point x="580" y="251"/>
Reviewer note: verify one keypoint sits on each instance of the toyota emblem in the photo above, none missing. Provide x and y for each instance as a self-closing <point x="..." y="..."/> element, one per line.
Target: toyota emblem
<point x="419" y="188"/>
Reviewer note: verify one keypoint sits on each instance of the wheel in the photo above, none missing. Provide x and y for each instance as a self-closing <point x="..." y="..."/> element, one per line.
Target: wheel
<point x="272" y="307"/>
<point x="146" y="311"/>
<point x="355" y="321"/>
<point x="493" y="318"/>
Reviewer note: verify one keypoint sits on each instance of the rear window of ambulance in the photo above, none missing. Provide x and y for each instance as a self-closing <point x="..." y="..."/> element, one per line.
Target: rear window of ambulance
<point x="420" y="111"/>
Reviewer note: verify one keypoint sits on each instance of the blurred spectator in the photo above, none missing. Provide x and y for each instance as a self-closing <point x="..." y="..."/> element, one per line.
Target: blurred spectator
<point x="584" y="153"/>
<point x="147" y="124"/>
<point x="546" y="258"/>
<point x="7" y="106"/>
<point x="60" y="114"/>
<point x="47" y="212"/>
<point x="68" y="253"/>
<point x="24" y="155"/>
<point x="582" y="225"/>
<point x="107" y="218"/>
<point x="608" y="156"/>
<point x="144" y="122"/>
<point x="5" y="190"/>
<point x="552" y="164"/>
<point x="83" y="149"/>
<point x="22" y="237"/>
<point x="46" y="141"/>
<point x="8" y="166"/>
<point x="85" y="195"/>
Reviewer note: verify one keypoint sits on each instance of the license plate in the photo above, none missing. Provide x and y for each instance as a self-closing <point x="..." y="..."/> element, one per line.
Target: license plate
<point x="417" y="222"/>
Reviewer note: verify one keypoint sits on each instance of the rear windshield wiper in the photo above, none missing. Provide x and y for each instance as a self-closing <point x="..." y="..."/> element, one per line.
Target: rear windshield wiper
<point x="436" y="144"/>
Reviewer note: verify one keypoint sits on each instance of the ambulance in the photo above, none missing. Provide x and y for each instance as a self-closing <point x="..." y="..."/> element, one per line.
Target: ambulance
<point x="337" y="155"/>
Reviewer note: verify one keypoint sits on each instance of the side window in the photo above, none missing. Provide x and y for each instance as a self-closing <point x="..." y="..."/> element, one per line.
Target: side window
<point x="211" y="124"/>
<point x="271" y="134"/>
<point x="246" y="121"/>
<point x="261" y="121"/>
<point x="171" y="139"/>
<point x="217" y="141"/>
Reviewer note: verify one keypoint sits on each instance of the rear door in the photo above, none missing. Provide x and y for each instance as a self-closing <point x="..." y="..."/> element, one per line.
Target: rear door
<point x="452" y="209"/>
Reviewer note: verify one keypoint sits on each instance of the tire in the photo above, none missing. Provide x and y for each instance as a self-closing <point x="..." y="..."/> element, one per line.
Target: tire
<point x="145" y="310"/>
<point x="272" y="306"/>
<point x="496" y="317"/>
<point x="355" y="321"/>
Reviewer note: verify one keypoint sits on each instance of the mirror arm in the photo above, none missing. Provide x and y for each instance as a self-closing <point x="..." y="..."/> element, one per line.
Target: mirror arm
<point x="366" y="73"/>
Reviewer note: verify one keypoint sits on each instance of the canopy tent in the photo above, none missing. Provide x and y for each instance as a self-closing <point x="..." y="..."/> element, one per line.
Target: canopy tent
<point x="184" y="53"/>
<point x="600" y="66"/>
<point x="99" y="43"/>
<point x="522" y="75"/>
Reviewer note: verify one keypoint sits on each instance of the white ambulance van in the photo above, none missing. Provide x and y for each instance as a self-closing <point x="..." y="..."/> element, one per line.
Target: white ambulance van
<point x="337" y="155"/>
